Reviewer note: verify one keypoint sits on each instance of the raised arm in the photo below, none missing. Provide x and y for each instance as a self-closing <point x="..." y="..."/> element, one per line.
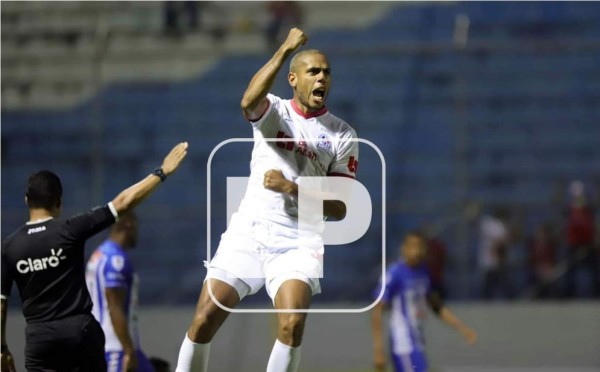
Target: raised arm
<point x="254" y="103"/>
<point x="135" y="194"/>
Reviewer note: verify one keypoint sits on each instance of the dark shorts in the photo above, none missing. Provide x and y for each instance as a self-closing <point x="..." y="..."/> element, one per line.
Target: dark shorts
<point x="75" y="343"/>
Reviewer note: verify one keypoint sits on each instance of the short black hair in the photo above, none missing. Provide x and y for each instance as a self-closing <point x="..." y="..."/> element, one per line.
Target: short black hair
<point x="44" y="190"/>
<point x="417" y="234"/>
<point x="294" y="61"/>
<point x="124" y="222"/>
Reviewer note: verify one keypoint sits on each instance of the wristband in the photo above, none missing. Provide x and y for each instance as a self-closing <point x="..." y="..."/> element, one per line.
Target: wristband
<point x="158" y="172"/>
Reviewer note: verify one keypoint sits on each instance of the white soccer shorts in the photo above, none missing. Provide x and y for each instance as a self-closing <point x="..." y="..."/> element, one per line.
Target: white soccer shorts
<point x="254" y="252"/>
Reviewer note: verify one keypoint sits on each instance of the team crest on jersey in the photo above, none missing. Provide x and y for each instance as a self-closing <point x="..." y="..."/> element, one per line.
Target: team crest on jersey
<point x="117" y="262"/>
<point x="324" y="142"/>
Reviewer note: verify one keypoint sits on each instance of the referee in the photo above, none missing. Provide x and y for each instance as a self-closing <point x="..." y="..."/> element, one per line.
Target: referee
<point x="45" y="259"/>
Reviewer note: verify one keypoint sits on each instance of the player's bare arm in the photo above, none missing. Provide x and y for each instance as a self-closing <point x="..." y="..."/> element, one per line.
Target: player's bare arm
<point x="135" y="194"/>
<point x="377" y="330"/>
<point x="254" y="102"/>
<point x="7" y="362"/>
<point x="436" y="304"/>
<point x="274" y="180"/>
<point x="115" y="299"/>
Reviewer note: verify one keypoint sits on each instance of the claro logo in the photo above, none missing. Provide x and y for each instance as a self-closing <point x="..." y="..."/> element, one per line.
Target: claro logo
<point x="39" y="264"/>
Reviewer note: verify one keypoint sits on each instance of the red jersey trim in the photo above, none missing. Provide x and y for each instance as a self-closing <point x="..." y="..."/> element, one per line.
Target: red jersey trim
<point x="336" y="174"/>
<point x="309" y="115"/>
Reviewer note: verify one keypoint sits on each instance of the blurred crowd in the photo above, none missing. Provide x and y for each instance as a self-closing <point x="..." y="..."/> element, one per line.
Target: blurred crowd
<point x="557" y="258"/>
<point x="184" y="17"/>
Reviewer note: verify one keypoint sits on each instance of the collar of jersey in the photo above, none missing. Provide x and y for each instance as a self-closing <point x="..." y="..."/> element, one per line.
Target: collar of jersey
<point x="112" y="245"/>
<point x="309" y="115"/>
<point x="38" y="221"/>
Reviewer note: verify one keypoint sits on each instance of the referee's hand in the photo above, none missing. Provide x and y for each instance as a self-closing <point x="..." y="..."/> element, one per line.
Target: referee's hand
<point x="7" y="362"/>
<point x="172" y="161"/>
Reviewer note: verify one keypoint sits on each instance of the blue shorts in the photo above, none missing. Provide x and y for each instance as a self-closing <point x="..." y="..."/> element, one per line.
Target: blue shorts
<point x="413" y="362"/>
<point x="114" y="360"/>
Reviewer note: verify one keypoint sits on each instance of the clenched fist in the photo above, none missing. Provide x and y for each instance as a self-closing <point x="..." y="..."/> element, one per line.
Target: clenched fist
<point x="295" y="38"/>
<point x="275" y="181"/>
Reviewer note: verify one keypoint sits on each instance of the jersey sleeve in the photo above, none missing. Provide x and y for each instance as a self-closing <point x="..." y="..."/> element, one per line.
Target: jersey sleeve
<point x="116" y="271"/>
<point x="345" y="162"/>
<point x="389" y="287"/>
<point x="86" y="225"/>
<point x="273" y="110"/>
<point x="7" y="278"/>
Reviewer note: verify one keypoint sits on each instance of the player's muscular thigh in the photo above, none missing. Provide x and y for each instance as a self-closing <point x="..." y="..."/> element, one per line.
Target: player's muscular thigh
<point x="209" y="316"/>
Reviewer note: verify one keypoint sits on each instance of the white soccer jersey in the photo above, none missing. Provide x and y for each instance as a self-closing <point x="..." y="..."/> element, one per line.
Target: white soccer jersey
<point x="331" y="152"/>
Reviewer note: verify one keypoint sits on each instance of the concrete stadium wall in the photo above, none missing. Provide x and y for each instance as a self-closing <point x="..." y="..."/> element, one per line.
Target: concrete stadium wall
<point x="512" y="337"/>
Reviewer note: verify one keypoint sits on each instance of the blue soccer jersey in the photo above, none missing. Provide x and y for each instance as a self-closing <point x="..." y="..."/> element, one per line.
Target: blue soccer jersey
<point x="110" y="267"/>
<point x="406" y="292"/>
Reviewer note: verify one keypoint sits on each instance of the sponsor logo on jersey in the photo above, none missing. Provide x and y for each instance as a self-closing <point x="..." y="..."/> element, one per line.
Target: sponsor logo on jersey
<point x="301" y="148"/>
<point x="117" y="262"/>
<point x="114" y="276"/>
<point x="34" y="230"/>
<point x="39" y="264"/>
<point x="304" y="151"/>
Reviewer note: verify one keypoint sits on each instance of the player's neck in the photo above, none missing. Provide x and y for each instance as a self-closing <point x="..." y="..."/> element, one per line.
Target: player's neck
<point x="39" y="214"/>
<point x="119" y="239"/>
<point x="298" y="106"/>
<point x="305" y="111"/>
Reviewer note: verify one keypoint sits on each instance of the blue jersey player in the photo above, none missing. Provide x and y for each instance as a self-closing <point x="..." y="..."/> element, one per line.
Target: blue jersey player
<point x="113" y="286"/>
<point x="408" y="294"/>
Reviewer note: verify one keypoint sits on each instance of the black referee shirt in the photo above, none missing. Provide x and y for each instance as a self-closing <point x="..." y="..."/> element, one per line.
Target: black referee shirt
<point x="46" y="261"/>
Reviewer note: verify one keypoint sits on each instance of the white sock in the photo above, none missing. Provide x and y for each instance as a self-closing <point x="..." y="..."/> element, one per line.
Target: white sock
<point x="284" y="358"/>
<point x="193" y="357"/>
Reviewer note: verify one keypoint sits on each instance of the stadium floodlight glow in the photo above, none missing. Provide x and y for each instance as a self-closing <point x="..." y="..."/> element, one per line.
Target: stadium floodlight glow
<point x="313" y="230"/>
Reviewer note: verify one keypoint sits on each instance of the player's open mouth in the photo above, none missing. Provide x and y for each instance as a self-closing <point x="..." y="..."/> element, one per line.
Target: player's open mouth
<point x="319" y="94"/>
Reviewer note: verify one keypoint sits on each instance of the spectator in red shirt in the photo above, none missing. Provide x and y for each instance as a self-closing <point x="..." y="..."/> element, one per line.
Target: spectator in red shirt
<point x="580" y="239"/>
<point x="542" y="260"/>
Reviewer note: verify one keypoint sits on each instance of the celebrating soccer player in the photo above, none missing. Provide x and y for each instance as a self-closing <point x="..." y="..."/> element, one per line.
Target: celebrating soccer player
<point x="262" y="245"/>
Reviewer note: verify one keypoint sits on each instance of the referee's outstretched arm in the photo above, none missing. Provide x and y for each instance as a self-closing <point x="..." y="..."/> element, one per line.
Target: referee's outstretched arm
<point x="76" y="230"/>
<point x="135" y="194"/>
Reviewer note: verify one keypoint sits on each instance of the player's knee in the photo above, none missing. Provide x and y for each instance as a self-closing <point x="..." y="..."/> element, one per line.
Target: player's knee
<point x="291" y="328"/>
<point x="203" y="328"/>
